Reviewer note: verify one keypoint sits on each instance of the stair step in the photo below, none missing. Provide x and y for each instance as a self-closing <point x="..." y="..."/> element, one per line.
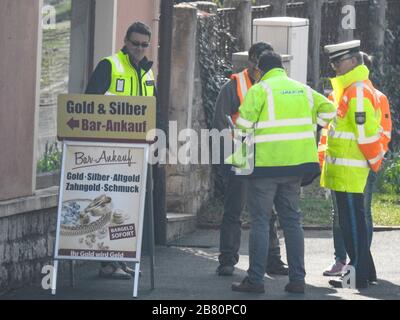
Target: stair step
<point x="180" y="224"/>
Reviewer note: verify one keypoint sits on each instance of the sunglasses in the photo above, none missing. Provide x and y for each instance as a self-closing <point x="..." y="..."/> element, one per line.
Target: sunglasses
<point x="138" y="44"/>
<point x="336" y="64"/>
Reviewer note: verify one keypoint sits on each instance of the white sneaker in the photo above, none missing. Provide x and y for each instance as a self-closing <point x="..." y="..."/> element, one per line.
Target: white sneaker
<point x="334" y="270"/>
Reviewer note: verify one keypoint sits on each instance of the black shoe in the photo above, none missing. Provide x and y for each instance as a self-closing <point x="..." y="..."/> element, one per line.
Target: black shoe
<point x="373" y="280"/>
<point x="295" y="287"/>
<point x="336" y="283"/>
<point x="277" y="268"/>
<point x="247" y="286"/>
<point x="225" y="270"/>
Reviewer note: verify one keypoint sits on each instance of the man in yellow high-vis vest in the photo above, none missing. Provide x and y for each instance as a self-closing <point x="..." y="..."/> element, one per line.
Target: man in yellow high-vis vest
<point x="126" y="73"/>
<point x="283" y="115"/>
<point x="235" y="187"/>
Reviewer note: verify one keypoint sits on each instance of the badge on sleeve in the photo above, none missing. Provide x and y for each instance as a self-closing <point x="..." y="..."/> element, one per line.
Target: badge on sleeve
<point x="360" y="117"/>
<point x="120" y="85"/>
<point x="150" y="83"/>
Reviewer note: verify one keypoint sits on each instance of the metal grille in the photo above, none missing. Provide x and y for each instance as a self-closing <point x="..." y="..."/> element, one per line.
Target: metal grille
<point x="330" y="20"/>
<point x="297" y="9"/>
<point x="258" y="12"/>
<point x="228" y="43"/>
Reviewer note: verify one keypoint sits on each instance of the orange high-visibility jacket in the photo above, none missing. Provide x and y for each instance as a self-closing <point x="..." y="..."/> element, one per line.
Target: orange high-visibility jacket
<point x="243" y="84"/>
<point x="386" y="120"/>
<point x="386" y="125"/>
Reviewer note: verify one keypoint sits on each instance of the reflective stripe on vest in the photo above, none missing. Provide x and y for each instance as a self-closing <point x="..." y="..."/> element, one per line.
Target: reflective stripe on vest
<point x="346" y="162"/>
<point x="387" y="134"/>
<point x="118" y="64"/>
<point x="244" y="123"/>
<point x="283" y="123"/>
<point x="243" y="84"/>
<point x="284" y="137"/>
<point x="310" y="97"/>
<point x="360" y="107"/>
<point x="270" y="99"/>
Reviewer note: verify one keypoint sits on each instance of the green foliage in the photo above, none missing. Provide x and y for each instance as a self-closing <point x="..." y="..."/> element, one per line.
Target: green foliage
<point x="389" y="175"/>
<point x="63" y="11"/>
<point x="386" y="209"/>
<point x="51" y="159"/>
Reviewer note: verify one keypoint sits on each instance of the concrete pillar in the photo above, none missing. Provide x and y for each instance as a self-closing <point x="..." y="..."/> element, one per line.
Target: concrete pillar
<point x="183" y="64"/>
<point x="20" y="44"/>
<point x="105" y="29"/>
<point x="278" y="8"/>
<point x="243" y="27"/>
<point x="181" y="101"/>
<point x="80" y="49"/>
<point x="205" y="6"/>
<point x="377" y="30"/>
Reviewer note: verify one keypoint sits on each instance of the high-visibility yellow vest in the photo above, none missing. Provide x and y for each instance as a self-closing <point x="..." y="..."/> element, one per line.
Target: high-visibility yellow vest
<point x="125" y="80"/>
<point x="284" y="115"/>
<point x="354" y="140"/>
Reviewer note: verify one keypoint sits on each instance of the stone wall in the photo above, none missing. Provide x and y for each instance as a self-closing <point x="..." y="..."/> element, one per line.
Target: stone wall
<point x="26" y="245"/>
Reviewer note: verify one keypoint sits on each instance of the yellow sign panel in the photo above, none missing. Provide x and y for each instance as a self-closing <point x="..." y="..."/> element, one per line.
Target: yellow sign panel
<point x="106" y="117"/>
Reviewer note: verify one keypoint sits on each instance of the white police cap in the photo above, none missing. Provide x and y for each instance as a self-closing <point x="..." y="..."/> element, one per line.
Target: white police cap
<point x="336" y="51"/>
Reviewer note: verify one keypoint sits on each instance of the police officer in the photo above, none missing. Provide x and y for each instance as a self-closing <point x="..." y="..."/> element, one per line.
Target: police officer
<point x="126" y="73"/>
<point x="283" y="115"/>
<point x="354" y="147"/>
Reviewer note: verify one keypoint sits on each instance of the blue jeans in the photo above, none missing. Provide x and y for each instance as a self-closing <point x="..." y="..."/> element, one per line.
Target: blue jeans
<point x="338" y="241"/>
<point x="263" y="192"/>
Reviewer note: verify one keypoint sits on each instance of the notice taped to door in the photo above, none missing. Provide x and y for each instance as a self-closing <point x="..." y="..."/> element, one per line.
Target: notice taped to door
<point x="101" y="204"/>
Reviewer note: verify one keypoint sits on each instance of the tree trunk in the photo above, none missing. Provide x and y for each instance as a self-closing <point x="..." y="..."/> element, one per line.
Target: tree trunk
<point x="377" y="30"/>
<point x="314" y="14"/>
<point x="279" y="8"/>
<point x="243" y="27"/>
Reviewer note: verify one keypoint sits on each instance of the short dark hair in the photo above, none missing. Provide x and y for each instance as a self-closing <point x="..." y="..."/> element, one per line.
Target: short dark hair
<point x="269" y="60"/>
<point x="367" y="59"/>
<point x="258" y="48"/>
<point x="138" y="27"/>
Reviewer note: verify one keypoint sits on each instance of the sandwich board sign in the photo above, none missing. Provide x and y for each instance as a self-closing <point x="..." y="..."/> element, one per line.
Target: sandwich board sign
<point x="102" y="187"/>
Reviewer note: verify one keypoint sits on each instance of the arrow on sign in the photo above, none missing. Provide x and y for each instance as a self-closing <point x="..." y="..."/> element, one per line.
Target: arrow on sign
<point x="73" y="123"/>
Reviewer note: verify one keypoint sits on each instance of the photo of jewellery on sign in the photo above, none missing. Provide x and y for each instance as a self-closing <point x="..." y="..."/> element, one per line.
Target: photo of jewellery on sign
<point x="101" y="198"/>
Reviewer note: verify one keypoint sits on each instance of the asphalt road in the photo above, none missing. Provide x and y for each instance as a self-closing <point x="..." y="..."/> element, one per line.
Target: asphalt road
<point x="186" y="271"/>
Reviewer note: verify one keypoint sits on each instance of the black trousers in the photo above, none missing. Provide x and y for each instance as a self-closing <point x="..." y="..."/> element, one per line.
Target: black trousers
<point x="354" y="228"/>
